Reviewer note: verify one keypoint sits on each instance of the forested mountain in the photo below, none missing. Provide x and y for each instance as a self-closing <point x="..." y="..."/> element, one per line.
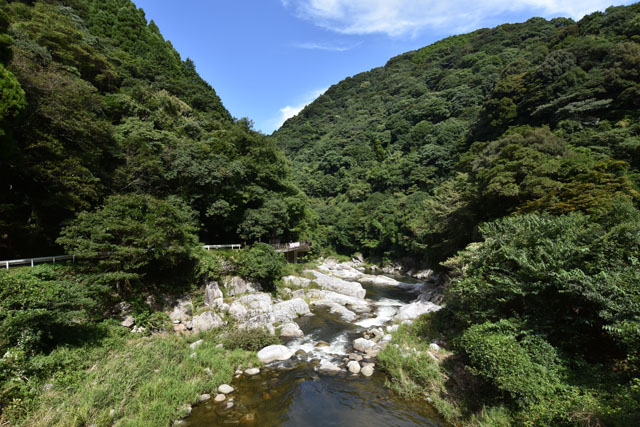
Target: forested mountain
<point x="95" y="102"/>
<point x="509" y="158"/>
<point x="408" y="159"/>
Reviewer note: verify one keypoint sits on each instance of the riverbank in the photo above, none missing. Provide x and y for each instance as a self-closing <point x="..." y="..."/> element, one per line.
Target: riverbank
<point x="153" y="372"/>
<point x="128" y="379"/>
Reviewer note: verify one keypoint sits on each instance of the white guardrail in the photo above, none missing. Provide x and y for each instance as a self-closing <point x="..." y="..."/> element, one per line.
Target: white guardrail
<point x="234" y="246"/>
<point x="53" y="259"/>
<point x="33" y="261"/>
<point x="280" y="247"/>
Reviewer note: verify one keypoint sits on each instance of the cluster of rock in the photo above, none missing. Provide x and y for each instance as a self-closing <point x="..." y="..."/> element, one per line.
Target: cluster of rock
<point x="362" y="360"/>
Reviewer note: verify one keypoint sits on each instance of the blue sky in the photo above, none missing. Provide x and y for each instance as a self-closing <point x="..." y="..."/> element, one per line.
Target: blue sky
<point x="268" y="58"/>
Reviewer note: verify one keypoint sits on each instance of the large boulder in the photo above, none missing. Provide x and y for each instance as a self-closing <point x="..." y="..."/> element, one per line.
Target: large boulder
<point x="252" y="306"/>
<point x="290" y="309"/>
<point x="182" y="310"/>
<point x="363" y="345"/>
<point x="291" y="330"/>
<point x="213" y="295"/>
<point x="335" y="308"/>
<point x="378" y="280"/>
<point x="358" y="305"/>
<point x="328" y="367"/>
<point x="415" y="309"/>
<point x="296" y="282"/>
<point x="343" y="270"/>
<point x="238" y="286"/>
<point x="340" y="286"/>
<point x="205" y="321"/>
<point x="274" y="353"/>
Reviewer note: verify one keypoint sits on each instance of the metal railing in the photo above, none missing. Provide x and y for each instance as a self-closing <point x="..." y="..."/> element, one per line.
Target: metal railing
<point x="292" y="246"/>
<point x="232" y="246"/>
<point x="279" y="247"/>
<point x="33" y="261"/>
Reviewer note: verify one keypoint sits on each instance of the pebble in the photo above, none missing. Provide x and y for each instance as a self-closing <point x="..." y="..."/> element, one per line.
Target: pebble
<point x="354" y="367"/>
<point x="219" y="398"/>
<point x="225" y="389"/>
<point x="205" y="397"/>
<point x="367" y="371"/>
<point x="252" y="371"/>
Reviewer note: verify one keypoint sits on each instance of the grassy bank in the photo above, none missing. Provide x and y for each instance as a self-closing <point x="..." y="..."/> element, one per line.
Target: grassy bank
<point x="125" y="380"/>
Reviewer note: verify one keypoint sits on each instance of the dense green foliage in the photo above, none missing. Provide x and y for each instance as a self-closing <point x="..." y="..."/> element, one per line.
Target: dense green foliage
<point x="407" y="159"/>
<point x="101" y="104"/>
<point x="38" y="309"/>
<point x="131" y="237"/>
<point x="262" y="264"/>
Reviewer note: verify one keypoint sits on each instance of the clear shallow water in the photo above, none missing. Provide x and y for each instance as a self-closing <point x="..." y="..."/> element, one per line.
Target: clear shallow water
<point x="294" y="394"/>
<point x="300" y="397"/>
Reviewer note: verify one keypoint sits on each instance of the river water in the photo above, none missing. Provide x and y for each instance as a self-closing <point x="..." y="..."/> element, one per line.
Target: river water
<point x="294" y="393"/>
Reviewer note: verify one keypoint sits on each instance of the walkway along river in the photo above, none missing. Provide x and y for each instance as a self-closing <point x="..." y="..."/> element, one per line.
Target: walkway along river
<point x="300" y="392"/>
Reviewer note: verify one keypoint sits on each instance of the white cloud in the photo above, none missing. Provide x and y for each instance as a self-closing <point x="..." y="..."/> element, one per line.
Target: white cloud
<point x="323" y="46"/>
<point x="289" y="111"/>
<point x="408" y="17"/>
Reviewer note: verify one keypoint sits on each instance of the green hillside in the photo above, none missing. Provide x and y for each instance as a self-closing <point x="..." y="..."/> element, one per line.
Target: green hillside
<point x="407" y="159"/>
<point x="509" y="159"/>
<point x="96" y="103"/>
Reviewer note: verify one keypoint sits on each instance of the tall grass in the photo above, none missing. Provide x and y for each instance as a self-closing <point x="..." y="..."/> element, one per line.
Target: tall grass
<point x="144" y="382"/>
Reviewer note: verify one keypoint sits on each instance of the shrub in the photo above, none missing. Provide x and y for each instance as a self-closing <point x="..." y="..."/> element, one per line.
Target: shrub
<point x="249" y="339"/>
<point x="262" y="264"/>
<point x="522" y="366"/>
<point x="38" y="308"/>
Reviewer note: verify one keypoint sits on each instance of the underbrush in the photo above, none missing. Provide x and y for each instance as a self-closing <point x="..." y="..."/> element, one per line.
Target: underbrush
<point x="249" y="339"/>
<point x="513" y="386"/>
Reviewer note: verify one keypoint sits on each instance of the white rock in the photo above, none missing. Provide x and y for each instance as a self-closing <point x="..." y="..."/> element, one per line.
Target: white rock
<point x="378" y="280"/>
<point x="289" y="310"/>
<point x="291" y="330"/>
<point x="182" y="310"/>
<point x="237" y="286"/>
<point x="252" y="371"/>
<point x="274" y="352"/>
<point x="340" y="286"/>
<point x="391" y="329"/>
<point x="416" y="309"/>
<point x="205" y="397"/>
<point x="363" y="345"/>
<point x="225" y="389"/>
<point x="354" y="367"/>
<point x="367" y="371"/>
<point x="296" y="281"/>
<point x="213" y="295"/>
<point x="335" y="308"/>
<point x="219" y="398"/>
<point x="128" y="321"/>
<point x="196" y="344"/>
<point x="206" y="321"/>
<point x="434" y="347"/>
<point x="328" y="367"/>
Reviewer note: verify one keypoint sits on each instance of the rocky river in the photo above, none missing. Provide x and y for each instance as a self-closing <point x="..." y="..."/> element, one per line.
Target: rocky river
<point x="333" y="324"/>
